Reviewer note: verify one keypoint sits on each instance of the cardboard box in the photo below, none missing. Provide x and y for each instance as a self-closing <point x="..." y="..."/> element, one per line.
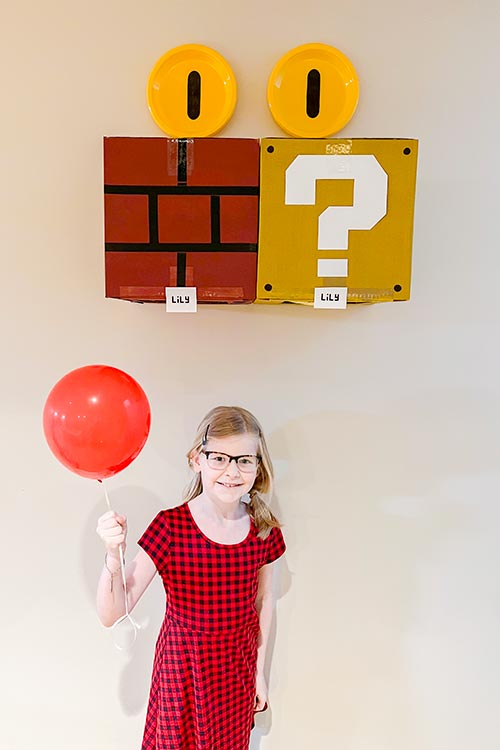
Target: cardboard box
<point x="336" y="213"/>
<point x="181" y="212"/>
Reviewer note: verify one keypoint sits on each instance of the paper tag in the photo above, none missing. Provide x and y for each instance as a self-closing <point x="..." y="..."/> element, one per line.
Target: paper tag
<point x="181" y="299"/>
<point x="330" y="297"/>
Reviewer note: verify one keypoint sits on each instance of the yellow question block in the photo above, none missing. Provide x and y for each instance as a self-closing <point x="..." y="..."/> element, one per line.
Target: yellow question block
<point x="335" y="214"/>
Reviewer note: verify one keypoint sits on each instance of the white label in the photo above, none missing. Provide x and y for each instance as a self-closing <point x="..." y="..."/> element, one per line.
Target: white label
<point x="330" y="297"/>
<point x="181" y="299"/>
<point x="328" y="267"/>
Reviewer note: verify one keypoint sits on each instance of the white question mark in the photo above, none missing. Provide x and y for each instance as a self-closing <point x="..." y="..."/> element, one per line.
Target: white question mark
<point x="369" y="203"/>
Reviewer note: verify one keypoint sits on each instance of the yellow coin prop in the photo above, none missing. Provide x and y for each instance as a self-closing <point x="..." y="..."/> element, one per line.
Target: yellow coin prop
<point x="191" y="92"/>
<point x="313" y="91"/>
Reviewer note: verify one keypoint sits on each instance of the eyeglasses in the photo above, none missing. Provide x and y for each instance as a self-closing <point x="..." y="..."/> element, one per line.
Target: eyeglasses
<point x="221" y="461"/>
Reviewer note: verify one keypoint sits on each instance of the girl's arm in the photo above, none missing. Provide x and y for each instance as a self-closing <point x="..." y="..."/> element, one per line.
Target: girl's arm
<point x="112" y="528"/>
<point x="264" y="604"/>
<point x="110" y="594"/>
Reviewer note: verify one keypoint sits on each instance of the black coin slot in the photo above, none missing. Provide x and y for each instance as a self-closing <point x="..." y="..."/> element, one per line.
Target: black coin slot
<point x="313" y="93"/>
<point x="193" y="95"/>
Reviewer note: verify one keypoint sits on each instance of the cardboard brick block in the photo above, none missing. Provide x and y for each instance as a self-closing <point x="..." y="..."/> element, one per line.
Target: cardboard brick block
<point x="181" y="212"/>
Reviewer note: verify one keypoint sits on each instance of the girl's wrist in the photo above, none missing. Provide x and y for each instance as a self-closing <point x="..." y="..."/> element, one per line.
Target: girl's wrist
<point x="112" y="563"/>
<point x="113" y="569"/>
<point x="113" y="553"/>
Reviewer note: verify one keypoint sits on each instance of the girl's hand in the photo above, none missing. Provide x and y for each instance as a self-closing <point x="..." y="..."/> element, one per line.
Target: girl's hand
<point x="261" y="693"/>
<point x="112" y="528"/>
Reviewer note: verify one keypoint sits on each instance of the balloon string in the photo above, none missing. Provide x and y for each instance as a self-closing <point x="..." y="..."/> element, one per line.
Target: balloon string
<point x="135" y="626"/>
<point x="101" y="481"/>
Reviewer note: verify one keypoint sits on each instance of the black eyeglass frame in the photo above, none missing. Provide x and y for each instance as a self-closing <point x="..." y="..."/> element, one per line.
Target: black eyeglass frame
<point x="234" y="458"/>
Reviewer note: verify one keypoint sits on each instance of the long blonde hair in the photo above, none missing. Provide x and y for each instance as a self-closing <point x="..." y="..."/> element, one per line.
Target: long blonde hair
<point x="226" y="421"/>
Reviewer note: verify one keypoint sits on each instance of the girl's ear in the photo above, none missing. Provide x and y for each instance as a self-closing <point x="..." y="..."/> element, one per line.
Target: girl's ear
<point x="194" y="461"/>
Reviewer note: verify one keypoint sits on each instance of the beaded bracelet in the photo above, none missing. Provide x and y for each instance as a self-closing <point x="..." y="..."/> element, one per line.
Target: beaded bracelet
<point x="112" y="573"/>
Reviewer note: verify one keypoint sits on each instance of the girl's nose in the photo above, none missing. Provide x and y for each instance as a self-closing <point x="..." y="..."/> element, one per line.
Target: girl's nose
<point x="232" y="468"/>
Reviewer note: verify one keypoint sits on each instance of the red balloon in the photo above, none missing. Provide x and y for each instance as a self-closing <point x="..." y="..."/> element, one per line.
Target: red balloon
<point x="96" y="420"/>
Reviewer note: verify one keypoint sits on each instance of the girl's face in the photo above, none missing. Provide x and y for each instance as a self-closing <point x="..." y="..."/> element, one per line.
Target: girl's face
<point x="227" y="484"/>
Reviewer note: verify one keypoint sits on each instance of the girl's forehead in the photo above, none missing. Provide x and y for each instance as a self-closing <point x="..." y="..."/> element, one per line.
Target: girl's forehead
<point x="233" y="444"/>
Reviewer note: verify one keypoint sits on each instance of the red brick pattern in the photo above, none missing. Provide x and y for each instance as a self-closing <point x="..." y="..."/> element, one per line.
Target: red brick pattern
<point x="184" y="218"/>
<point x="126" y="218"/>
<point x="225" y="161"/>
<point x="239" y="218"/>
<point x="140" y="275"/>
<point x="140" y="161"/>
<point x="224" y="277"/>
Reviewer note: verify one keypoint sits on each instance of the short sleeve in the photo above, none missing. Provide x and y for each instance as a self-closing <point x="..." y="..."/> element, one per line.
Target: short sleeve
<point x="275" y="545"/>
<point x="156" y="540"/>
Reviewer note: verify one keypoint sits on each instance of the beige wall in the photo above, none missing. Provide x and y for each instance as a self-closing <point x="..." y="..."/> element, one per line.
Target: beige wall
<point x="383" y="420"/>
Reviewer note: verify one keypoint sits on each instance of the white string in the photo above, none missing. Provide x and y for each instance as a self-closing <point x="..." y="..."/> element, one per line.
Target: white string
<point x="127" y="615"/>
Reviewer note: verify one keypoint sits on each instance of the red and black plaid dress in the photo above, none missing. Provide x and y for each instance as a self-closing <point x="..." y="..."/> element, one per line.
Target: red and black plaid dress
<point x="203" y="684"/>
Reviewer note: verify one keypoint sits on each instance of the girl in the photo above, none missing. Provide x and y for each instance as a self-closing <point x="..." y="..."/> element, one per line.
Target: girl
<point x="215" y="554"/>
